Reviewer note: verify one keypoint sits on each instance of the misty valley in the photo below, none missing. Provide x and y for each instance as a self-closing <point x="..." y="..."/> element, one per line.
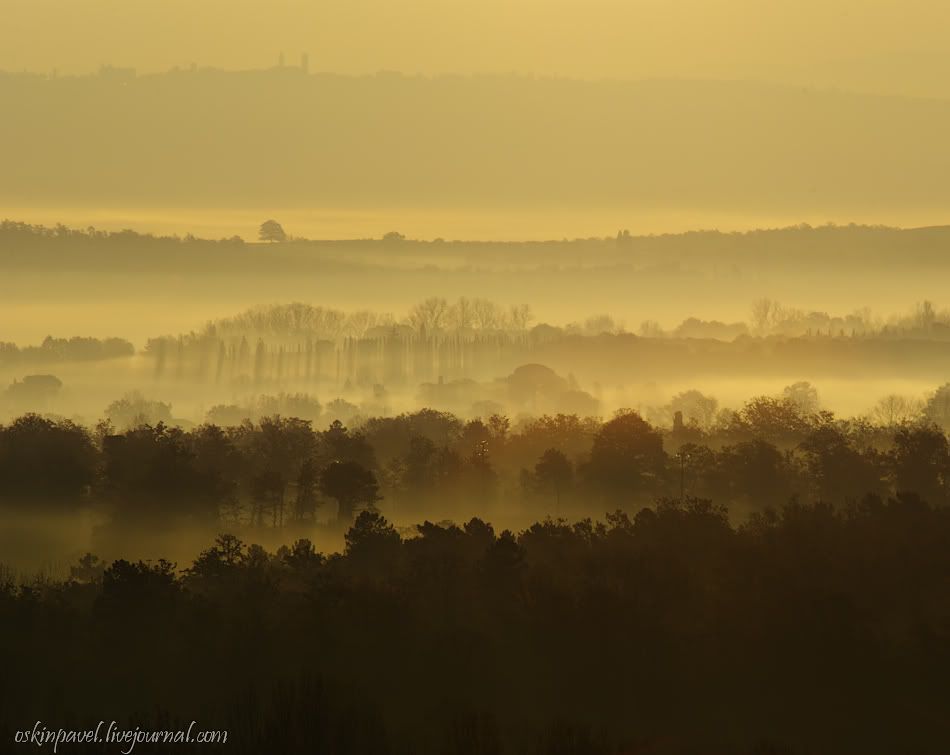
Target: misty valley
<point x="561" y="497"/>
<point x="416" y="377"/>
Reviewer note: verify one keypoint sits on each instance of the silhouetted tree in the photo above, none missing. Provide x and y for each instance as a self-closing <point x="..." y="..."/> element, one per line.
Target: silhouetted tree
<point x="921" y="459"/>
<point x="305" y="502"/>
<point x="803" y="395"/>
<point x="554" y="474"/>
<point x="626" y="458"/>
<point x="43" y="461"/>
<point x="271" y="231"/>
<point x="134" y="409"/>
<point x="350" y="485"/>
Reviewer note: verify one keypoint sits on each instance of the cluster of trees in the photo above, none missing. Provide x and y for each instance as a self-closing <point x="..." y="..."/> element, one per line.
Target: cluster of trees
<point x="33" y="393"/>
<point x="272" y="231"/>
<point x="20" y="233"/>
<point x="436" y="314"/>
<point x="134" y="409"/>
<point x="297" y="321"/>
<point x="75" y="349"/>
<point x="293" y="324"/>
<point x="815" y="629"/>
<point x="433" y="315"/>
<point x="769" y="317"/>
<point x="394" y="357"/>
<point x="296" y="345"/>
<point x="268" y="472"/>
<point x="280" y="470"/>
<point x="300" y="405"/>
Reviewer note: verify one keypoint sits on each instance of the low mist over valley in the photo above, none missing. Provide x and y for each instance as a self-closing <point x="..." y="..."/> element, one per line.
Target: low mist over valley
<point x="418" y="377"/>
<point x="680" y="351"/>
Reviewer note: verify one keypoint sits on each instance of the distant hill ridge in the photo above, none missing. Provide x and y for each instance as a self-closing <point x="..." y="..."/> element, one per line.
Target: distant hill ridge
<point x="281" y="136"/>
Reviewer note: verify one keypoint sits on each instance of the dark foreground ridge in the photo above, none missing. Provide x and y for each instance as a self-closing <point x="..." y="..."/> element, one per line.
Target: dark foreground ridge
<point x="809" y="630"/>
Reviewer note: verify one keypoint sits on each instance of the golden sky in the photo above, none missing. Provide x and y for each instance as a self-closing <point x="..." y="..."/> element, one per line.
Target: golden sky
<point x="888" y="44"/>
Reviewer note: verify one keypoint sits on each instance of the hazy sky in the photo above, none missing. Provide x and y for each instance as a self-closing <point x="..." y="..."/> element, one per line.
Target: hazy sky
<point x="854" y="40"/>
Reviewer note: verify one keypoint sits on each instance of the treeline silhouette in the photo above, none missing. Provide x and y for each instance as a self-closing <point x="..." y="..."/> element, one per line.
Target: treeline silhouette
<point x="398" y="355"/>
<point x="302" y="349"/>
<point x="811" y="629"/>
<point x="34" y="234"/>
<point x="693" y="279"/>
<point x="675" y="258"/>
<point x="74" y="349"/>
<point x="281" y="471"/>
<point x="836" y="247"/>
<point x="297" y="321"/>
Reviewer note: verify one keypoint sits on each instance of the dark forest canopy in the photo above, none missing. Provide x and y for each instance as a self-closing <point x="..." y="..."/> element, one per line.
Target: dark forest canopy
<point x="213" y="137"/>
<point x="811" y="630"/>
<point x="772" y="583"/>
<point x="766" y="582"/>
<point x="279" y="471"/>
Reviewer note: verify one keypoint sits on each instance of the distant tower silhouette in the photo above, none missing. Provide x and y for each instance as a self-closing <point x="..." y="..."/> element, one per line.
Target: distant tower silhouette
<point x="280" y="60"/>
<point x="305" y="62"/>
